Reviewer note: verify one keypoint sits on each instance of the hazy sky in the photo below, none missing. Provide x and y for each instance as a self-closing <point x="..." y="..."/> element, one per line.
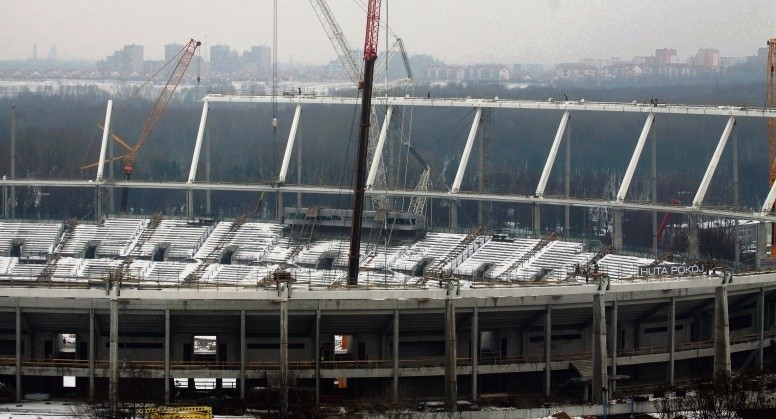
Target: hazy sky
<point x="457" y="31"/>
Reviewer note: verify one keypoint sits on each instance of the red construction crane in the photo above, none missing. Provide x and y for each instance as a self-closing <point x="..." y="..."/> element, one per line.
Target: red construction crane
<point x="370" y="55"/>
<point x="153" y="117"/>
<point x="770" y="73"/>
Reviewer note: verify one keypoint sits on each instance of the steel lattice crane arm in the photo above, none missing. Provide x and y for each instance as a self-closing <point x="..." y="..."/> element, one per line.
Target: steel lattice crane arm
<point x="338" y="40"/>
<point x="161" y="103"/>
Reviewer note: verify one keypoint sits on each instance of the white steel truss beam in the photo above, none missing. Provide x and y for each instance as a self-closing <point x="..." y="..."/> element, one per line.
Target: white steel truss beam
<point x="712" y="167"/>
<point x="645" y="108"/>
<point x="379" y="149"/>
<point x="290" y="145"/>
<point x="626" y="180"/>
<point x="334" y="190"/>
<point x="104" y="145"/>
<point x="551" y="158"/>
<point x="198" y="144"/>
<point x="769" y="200"/>
<point x="466" y="152"/>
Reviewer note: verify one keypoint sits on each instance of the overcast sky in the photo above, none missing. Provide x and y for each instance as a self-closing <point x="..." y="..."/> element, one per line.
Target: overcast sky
<point x="456" y="31"/>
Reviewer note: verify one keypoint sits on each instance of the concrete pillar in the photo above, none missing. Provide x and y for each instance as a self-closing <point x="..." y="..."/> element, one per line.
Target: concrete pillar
<point x="693" y="246"/>
<point x="600" y="380"/>
<point x="395" y="353"/>
<point x="167" y="356"/>
<point x="616" y="234"/>
<point x="451" y="381"/>
<point x="547" y="349"/>
<point x="114" y="347"/>
<point x="18" y="354"/>
<point x="92" y="344"/>
<point x="317" y="355"/>
<point x="762" y="245"/>
<point x="284" y="353"/>
<point x="475" y="348"/>
<point x="614" y="344"/>
<point x="721" y="333"/>
<point x="537" y="220"/>
<point x="243" y="349"/>
<point x="760" y="328"/>
<point x="671" y="340"/>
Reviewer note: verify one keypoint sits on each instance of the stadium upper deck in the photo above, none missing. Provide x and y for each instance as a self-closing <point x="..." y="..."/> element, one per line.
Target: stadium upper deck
<point x="203" y="251"/>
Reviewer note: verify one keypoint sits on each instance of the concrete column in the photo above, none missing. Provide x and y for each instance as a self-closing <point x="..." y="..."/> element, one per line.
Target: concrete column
<point x="243" y="350"/>
<point x="671" y="340"/>
<point x="616" y="234"/>
<point x="167" y="356"/>
<point x="284" y="354"/>
<point x="761" y="244"/>
<point x="693" y="246"/>
<point x="451" y="382"/>
<point x="613" y="340"/>
<point x="547" y="350"/>
<point x="475" y="348"/>
<point x="721" y="333"/>
<point x="92" y="344"/>
<point x="600" y="379"/>
<point x="317" y="356"/>
<point x="395" y="354"/>
<point x="18" y="354"/>
<point x="760" y="328"/>
<point x="537" y="220"/>
<point x="114" y="346"/>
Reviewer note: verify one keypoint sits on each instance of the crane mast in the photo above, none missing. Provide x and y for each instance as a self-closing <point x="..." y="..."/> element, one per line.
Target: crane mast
<point x="370" y="55"/>
<point x="770" y="73"/>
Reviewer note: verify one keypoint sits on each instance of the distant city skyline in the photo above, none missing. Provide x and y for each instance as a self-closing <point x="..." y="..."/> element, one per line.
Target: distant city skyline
<point x="455" y="31"/>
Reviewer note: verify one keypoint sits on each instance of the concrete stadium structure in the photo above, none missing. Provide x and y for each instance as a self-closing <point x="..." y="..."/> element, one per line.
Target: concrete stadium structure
<point x="159" y="303"/>
<point x="137" y="316"/>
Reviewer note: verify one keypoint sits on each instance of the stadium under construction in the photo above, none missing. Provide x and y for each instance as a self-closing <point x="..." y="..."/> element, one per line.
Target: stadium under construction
<point x="171" y="305"/>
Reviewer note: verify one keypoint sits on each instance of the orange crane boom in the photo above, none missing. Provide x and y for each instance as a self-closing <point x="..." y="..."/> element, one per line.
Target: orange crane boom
<point x="161" y="103"/>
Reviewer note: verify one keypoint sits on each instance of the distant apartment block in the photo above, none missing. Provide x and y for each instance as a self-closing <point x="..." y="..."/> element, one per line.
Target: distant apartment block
<point x="126" y="61"/>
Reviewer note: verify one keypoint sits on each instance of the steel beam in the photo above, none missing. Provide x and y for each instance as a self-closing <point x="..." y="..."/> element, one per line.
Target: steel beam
<point x="547" y="350"/>
<point x="92" y="345"/>
<point x="466" y="152"/>
<point x="104" y="144"/>
<point x="18" y="364"/>
<point x="379" y="148"/>
<point x="635" y="159"/>
<point x="198" y="144"/>
<point x="290" y="144"/>
<point x="548" y="105"/>
<point x="712" y="167"/>
<point x="167" y="356"/>
<point x="553" y="153"/>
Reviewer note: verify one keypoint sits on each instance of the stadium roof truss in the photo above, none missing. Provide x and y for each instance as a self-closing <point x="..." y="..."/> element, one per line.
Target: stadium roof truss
<point x="697" y="206"/>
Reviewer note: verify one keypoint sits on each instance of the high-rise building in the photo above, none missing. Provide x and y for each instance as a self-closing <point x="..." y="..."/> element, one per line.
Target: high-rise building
<point x="706" y="57"/>
<point x="665" y="56"/>
<point x="127" y="60"/>
<point x="171" y="50"/>
<point x="221" y="59"/>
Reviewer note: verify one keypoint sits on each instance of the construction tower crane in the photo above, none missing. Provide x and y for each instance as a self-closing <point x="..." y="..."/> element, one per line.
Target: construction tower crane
<point x="346" y="55"/>
<point x="153" y="117"/>
<point x="770" y="73"/>
<point x="370" y="55"/>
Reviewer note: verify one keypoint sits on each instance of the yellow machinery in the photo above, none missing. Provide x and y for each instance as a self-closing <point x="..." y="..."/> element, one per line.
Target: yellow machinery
<point x="179" y="412"/>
